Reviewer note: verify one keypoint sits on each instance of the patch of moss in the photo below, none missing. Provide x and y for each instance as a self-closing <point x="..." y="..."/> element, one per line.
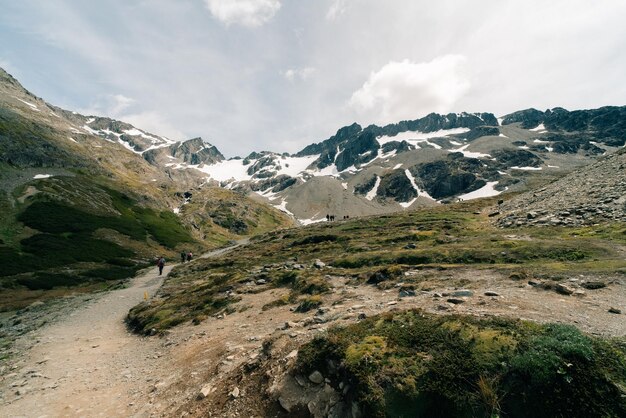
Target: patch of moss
<point x="415" y="364"/>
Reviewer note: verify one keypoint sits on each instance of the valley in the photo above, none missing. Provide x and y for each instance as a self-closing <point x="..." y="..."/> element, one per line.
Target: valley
<point x="228" y="330"/>
<point x="454" y="265"/>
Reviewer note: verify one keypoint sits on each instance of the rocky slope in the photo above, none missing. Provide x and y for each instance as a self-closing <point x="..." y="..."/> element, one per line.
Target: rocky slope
<point x="593" y="194"/>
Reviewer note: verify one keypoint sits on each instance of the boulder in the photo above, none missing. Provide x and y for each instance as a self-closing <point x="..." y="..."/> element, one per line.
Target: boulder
<point x="319" y="264"/>
<point x="563" y="289"/>
<point x="316" y="377"/>
<point x="462" y="293"/>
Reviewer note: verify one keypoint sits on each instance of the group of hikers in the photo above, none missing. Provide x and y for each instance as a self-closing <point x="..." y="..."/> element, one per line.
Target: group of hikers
<point x="184" y="256"/>
<point x="331" y="218"/>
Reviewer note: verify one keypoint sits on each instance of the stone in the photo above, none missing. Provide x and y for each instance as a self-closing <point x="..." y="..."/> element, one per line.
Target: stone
<point x="594" y="285"/>
<point x="300" y="380"/>
<point x="534" y="283"/>
<point x="316" y="377"/>
<point x="319" y="264"/>
<point x="455" y="301"/>
<point x="235" y="393"/>
<point x="410" y="246"/>
<point x="361" y="316"/>
<point x="393" y="302"/>
<point x="285" y="404"/>
<point x="204" y="392"/>
<point x="407" y="293"/>
<point x="491" y="293"/>
<point x="261" y="281"/>
<point x="462" y="293"/>
<point x="615" y="311"/>
<point x="563" y="289"/>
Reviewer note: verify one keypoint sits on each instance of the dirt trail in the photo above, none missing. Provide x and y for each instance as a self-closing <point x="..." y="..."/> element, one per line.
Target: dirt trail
<point x="88" y="364"/>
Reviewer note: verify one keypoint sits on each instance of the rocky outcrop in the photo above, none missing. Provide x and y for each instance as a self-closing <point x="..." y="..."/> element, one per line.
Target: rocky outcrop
<point x="397" y="186"/>
<point x="363" y="149"/>
<point x="516" y="158"/>
<point x="365" y="187"/>
<point x="276" y="184"/>
<point x="196" y="151"/>
<point x="606" y="125"/>
<point x="480" y="131"/>
<point x="453" y="176"/>
<point x="528" y="118"/>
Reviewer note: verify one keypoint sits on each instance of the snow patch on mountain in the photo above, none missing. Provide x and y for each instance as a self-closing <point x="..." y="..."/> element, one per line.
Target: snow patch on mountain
<point x="417" y="137"/>
<point x="487" y="190"/>
<point x="420" y="192"/>
<point x="32" y="106"/>
<point x="470" y="154"/>
<point x="526" y="168"/>
<point x="372" y="193"/>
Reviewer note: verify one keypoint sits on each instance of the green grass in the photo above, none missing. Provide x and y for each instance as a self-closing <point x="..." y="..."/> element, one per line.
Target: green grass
<point x="67" y="236"/>
<point x="180" y="304"/>
<point x="414" y="364"/>
<point x="373" y="247"/>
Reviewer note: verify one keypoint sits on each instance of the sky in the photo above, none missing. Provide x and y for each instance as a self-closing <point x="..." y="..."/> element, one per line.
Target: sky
<point x="253" y="75"/>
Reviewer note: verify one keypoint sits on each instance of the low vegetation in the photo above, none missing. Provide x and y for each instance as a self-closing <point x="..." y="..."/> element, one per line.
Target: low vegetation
<point x="61" y="242"/>
<point x="414" y="364"/>
<point x="447" y="237"/>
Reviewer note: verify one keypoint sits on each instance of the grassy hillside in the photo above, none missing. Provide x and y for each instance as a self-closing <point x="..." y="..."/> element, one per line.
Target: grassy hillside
<point x="221" y="216"/>
<point x="72" y="231"/>
<point x="378" y="250"/>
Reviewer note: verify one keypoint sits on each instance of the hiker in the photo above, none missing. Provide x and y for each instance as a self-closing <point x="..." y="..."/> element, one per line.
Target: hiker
<point x="189" y="255"/>
<point x="183" y="256"/>
<point x="161" y="264"/>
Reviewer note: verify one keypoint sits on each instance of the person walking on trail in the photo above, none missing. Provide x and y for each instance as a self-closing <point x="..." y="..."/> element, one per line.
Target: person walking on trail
<point x="189" y="255"/>
<point x="183" y="256"/>
<point x="161" y="264"/>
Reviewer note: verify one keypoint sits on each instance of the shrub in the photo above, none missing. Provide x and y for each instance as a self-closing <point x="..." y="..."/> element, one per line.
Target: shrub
<point x="309" y="303"/>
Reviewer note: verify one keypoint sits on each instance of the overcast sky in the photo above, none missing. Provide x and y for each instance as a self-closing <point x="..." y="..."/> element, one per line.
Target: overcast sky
<point x="251" y="75"/>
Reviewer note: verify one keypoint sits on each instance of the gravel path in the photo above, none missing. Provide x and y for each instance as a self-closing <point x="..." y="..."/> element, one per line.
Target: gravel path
<point x="88" y="364"/>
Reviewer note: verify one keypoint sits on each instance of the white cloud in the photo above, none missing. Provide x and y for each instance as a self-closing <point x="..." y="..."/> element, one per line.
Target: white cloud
<point x="250" y="13"/>
<point x="337" y="8"/>
<point x="112" y="105"/>
<point x="407" y="90"/>
<point x="120" y="103"/>
<point x="298" y="73"/>
<point x="155" y="123"/>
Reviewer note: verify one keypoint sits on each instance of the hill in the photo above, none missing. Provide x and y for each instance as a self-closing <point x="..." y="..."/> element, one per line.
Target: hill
<point x="82" y="206"/>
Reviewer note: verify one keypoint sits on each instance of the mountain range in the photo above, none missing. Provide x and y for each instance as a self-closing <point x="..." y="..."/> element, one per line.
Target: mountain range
<point x="53" y="159"/>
